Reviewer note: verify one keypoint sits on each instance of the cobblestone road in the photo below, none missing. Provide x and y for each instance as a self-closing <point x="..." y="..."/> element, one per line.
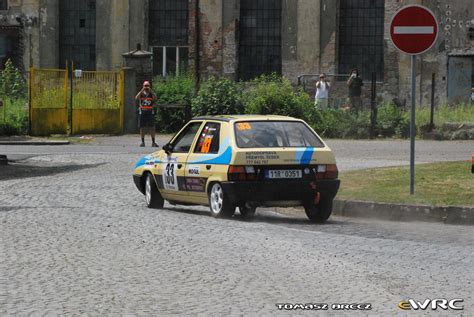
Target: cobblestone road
<point x="76" y="238"/>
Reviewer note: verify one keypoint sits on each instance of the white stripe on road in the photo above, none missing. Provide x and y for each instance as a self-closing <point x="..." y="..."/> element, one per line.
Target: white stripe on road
<point x="413" y="30"/>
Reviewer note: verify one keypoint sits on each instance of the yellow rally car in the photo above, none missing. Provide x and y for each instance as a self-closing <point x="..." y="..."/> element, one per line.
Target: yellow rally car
<point x="242" y="161"/>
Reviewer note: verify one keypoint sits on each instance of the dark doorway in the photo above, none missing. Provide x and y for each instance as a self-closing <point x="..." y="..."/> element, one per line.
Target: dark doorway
<point x="77" y="33"/>
<point x="460" y="78"/>
<point x="260" y="38"/>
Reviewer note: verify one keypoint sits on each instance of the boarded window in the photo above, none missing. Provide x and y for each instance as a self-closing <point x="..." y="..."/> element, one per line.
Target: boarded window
<point x="77" y="31"/>
<point x="260" y="38"/>
<point x="361" y="27"/>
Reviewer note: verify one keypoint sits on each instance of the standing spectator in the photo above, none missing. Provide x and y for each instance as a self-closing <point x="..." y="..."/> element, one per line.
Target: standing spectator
<point x="472" y="94"/>
<point x="355" y="84"/>
<point x="322" y="92"/>
<point x="146" y="103"/>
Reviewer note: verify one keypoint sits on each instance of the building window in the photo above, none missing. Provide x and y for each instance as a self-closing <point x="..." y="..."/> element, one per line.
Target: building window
<point x="10" y="46"/>
<point x="170" y="60"/>
<point x="168" y="36"/>
<point x="361" y="26"/>
<point x="260" y="38"/>
<point x="77" y="33"/>
<point x="3" y="4"/>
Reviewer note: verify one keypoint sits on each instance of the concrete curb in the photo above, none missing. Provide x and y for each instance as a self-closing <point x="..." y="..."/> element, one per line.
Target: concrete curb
<point x="47" y="142"/>
<point x="398" y="212"/>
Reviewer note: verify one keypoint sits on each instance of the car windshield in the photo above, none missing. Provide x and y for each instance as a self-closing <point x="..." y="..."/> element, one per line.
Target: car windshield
<point x="262" y="134"/>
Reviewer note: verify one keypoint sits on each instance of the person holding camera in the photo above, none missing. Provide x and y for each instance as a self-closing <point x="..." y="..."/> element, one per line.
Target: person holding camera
<point x="146" y="105"/>
<point x="322" y="92"/>
<point x="355" y="89"/>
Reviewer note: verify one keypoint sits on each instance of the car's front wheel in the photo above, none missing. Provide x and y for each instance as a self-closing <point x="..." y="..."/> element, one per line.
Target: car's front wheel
<point x="320" y="212"/>
<point x="152" y="194"/>
<point x="219" y="203"/>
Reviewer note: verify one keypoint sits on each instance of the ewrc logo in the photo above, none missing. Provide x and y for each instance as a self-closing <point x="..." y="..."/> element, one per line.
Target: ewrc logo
<point x="434" y="304"/>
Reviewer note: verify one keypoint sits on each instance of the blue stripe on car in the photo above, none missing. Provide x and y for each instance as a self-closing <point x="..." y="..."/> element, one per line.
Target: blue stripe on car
<point x="224" y="158"/>
<point x="142" y="161"/>
<point x="304" y="155"/>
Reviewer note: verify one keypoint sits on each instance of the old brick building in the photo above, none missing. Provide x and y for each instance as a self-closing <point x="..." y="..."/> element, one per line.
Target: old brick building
<point x="240" y="39"/>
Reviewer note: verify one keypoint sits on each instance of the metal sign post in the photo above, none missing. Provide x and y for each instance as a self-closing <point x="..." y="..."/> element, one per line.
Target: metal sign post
<point x="412" y="125"/>
<point x="413" y="31"/>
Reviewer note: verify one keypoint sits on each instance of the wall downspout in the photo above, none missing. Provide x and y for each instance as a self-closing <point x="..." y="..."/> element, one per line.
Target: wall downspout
<point x="197" y="73"/>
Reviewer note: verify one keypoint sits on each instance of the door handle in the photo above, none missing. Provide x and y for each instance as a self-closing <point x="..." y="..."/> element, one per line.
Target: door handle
<point x="180" y="165"/>
<point x="208" y="167"/>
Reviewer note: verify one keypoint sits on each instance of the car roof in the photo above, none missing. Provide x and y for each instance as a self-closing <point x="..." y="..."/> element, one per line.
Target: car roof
<point x="245" y="117"/>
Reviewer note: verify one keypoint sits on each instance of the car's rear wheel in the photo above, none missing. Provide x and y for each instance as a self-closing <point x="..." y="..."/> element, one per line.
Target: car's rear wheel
<point x="152" y="194"/>
<point x="247" y="211"/>
<point x="319" y="213"/>
<point x="219" y="203"/>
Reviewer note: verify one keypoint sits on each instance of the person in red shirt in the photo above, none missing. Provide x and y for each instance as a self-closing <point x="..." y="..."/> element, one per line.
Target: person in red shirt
<point x="146" y="103"/>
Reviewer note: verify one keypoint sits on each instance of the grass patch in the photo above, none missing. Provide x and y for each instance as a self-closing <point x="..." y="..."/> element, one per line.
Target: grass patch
<point x="438" y="184"/>
<point x="462" y="113"/>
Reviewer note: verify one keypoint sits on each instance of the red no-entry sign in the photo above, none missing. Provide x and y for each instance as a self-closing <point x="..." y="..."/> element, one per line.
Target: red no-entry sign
<point x="413" y="29"/>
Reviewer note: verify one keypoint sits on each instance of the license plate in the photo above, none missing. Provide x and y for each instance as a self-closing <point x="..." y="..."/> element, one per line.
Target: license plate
<point x="283" y="174"/>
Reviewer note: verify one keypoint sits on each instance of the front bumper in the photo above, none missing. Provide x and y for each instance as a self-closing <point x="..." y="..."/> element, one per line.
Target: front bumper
<point x="137" y="179"/>
<point x="262" y="191"/>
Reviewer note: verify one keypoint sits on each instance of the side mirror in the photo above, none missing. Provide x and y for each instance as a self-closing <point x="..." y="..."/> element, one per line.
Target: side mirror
<point x="168" y="148"/>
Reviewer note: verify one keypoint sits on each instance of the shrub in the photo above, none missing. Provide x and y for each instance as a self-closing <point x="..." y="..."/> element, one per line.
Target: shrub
<point x="174" y="90"/>
<point x="275" y="95"/>
<point x="218" y="96"/>
<point x="13" y="92"/>
<point x="391" y="121"/>
<point x="15" y="120"/>
<point x="12" y="83"/>
<point x="336" y="123"/>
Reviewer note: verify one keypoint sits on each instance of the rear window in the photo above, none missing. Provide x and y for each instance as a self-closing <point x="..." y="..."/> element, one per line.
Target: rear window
<point x="262" y="134"/>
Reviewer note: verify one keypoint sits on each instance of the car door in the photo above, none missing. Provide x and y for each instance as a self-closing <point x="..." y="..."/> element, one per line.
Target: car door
<point x="171" y="174"/>
<point x="203" y="162"/>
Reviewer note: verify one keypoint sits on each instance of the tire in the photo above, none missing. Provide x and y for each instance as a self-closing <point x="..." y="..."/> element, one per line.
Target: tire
<point x="247" y="211"/>
<point x="152" y="195"/>
<point x="219" y="203"/>
<point x="319" y="213"/>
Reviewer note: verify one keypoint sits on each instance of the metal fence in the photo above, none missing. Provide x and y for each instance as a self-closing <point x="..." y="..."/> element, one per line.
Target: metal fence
<point x="67" y="101"/>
